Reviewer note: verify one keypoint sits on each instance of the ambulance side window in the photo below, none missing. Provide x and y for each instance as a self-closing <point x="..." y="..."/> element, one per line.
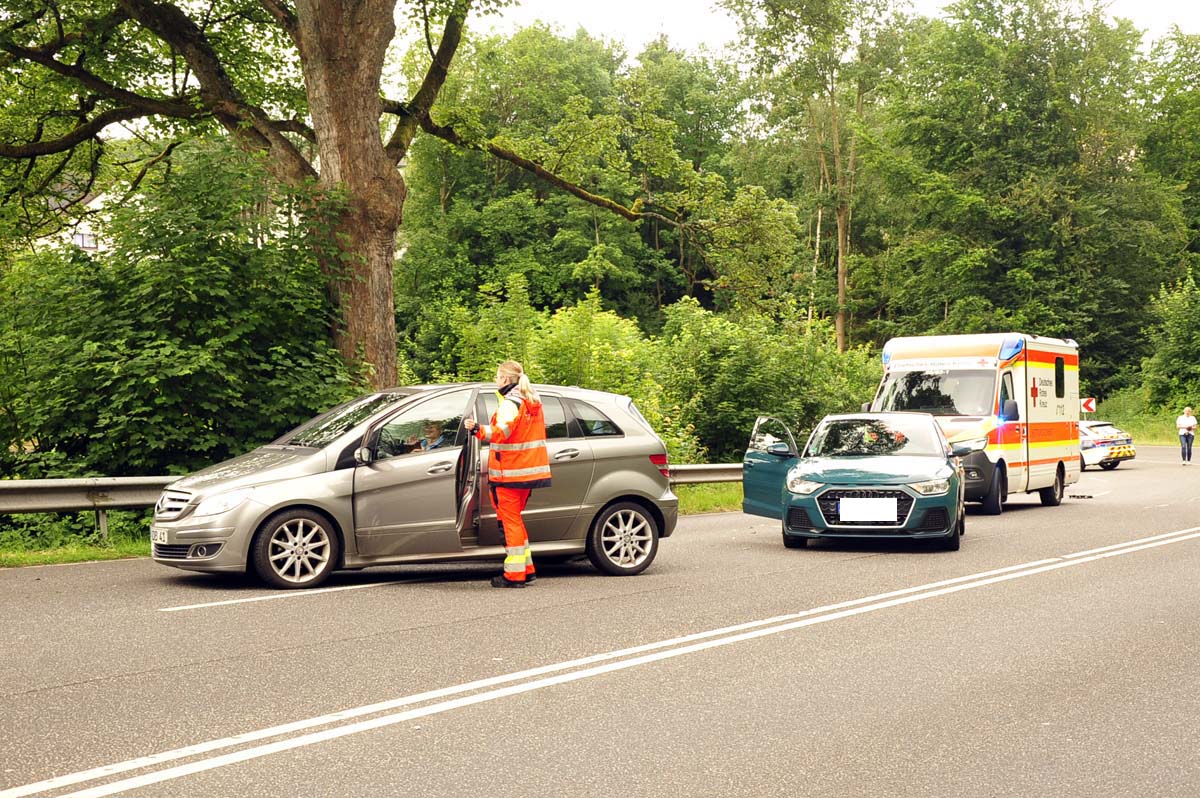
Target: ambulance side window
<point x="1060" y="378"/>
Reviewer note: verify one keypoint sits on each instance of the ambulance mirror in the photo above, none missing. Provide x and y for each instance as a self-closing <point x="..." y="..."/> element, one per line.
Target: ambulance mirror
<point x="1010" y="411"/>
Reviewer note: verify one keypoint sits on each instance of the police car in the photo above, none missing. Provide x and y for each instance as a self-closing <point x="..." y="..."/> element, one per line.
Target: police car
<point x="1102" y="444"/>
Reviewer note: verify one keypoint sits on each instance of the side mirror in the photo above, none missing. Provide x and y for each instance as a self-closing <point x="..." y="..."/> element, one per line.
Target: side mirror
<point x="866" y="407"/>
<point x="964" y="448"/>
<point x="1010" y="411"/>
<point x="363" y="455"/>
<point x="780" y="449"/>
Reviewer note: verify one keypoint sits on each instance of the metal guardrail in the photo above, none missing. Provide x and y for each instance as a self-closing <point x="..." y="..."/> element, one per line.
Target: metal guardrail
<point x="102" y="494"/>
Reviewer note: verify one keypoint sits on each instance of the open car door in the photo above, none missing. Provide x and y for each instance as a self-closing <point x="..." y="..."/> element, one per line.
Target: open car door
<point x="769" y="456"/>
<point x="466" y="489"/>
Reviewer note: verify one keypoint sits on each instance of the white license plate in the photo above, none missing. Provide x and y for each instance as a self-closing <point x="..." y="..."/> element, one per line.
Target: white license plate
<point x="867" y="510"/>
<point x="158" y="535"/>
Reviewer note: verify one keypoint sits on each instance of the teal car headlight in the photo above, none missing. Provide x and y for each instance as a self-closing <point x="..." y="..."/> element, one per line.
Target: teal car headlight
<point x="931" y="487"/>
<point x="798" y="484"/>
<point x="222" y="502"/>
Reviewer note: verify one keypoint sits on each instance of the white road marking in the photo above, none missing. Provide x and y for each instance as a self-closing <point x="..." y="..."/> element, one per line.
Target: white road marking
<point x="723" y="637"/>
<point x="274" y="596"/>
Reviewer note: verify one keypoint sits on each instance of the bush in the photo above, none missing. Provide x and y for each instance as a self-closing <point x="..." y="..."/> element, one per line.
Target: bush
<point x="201" y="334"/>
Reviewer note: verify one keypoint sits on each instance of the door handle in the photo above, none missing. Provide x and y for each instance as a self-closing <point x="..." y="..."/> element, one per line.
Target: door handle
<point x="440" y="468"/>
<point x="567" y="454"/>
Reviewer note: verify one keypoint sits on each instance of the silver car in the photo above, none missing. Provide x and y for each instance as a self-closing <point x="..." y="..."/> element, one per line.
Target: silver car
<point x="393" y="477"/>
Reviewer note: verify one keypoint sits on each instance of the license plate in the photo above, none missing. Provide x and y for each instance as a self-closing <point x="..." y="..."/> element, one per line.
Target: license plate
<point x="868" y="510"/>
<point x="158" y="535"/>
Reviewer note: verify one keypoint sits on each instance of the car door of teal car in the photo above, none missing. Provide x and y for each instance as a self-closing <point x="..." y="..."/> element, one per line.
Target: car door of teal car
<point x="770" y="454"/>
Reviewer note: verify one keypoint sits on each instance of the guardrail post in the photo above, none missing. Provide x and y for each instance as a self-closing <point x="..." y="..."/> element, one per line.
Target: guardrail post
<point x="102" y="520"/>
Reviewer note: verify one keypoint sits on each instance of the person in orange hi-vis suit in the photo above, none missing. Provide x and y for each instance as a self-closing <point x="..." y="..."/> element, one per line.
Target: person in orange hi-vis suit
<point x="518" y="462"/>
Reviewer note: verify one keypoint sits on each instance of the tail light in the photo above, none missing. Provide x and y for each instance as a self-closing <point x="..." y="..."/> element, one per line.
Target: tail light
<point x="663" y="463"/>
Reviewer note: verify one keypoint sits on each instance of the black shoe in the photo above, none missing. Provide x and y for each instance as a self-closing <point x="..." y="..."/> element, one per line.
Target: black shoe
<point x="500" y="581"/>
<point x="530" y="578"/>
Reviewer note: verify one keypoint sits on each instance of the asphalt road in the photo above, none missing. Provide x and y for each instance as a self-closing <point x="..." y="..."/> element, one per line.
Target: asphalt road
<point x="1056" y="654"/>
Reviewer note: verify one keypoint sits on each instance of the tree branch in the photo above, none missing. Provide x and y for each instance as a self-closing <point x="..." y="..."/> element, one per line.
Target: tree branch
<point x="416" y="112"/>
<point x="250" y="125"/>
<point x="178" y="108"/>
<point x="633" y="214"/>
<point x="77" y="136"/>
<point x="285" y="16"/>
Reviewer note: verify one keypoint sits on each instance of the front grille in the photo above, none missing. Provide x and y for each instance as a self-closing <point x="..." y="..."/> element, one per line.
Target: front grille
<point x="173" y="552"/>
<point x="171" y="504"/>
<point x="828" y="502"/>
<point x="797" y="518"/>
<point x="934" y="520"/>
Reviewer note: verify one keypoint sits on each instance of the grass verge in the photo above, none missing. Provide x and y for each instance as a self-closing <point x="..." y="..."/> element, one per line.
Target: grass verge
<point x="717" y="497"/>
<point x="76" y="552"/>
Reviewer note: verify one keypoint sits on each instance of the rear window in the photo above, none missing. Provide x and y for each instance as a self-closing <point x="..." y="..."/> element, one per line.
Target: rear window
<point x="591" y="423"/>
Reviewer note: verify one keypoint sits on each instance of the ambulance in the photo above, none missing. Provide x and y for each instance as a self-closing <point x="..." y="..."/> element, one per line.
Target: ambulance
<point x="1013" y="397"/>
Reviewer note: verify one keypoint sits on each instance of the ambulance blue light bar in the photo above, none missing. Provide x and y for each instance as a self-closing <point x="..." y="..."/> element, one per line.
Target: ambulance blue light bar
<point x="1012" y="346"/>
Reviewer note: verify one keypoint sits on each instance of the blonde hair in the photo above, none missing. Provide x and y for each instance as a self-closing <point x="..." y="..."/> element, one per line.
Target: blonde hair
<point x="513" y="370"/>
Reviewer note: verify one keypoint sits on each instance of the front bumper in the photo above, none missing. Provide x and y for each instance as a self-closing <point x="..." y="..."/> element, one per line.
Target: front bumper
<point x="926" y="517"/>
<point x="208" y="543"/>
<point x="977" y="475"/>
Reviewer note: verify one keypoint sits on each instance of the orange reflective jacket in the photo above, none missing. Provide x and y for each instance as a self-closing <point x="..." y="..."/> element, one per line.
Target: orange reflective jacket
<point x="517" y="455"/>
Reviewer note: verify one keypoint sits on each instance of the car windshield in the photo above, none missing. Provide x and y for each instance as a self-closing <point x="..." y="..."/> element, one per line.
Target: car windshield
<point x="940" y="392"/>
<point x="872" y="437"/>
<point x="323" y="430"/>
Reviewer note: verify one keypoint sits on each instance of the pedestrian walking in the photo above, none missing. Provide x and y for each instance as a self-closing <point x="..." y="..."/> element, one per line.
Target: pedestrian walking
<point x="518" y="463"/>
<point x="1186" y="424"/>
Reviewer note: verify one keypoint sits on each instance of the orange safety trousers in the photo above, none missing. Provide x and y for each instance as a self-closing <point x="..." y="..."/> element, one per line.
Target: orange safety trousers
<point x="510" y="503"/>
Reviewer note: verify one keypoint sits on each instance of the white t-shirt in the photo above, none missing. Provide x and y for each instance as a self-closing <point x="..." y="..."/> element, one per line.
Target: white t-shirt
<point x="1186" y="423"/>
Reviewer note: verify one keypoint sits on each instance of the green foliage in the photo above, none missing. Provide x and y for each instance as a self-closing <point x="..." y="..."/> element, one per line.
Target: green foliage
<point x="43" y="531"/>
<point x="201" y="334"/>
<point x="725" y="373"/>
<point x="1171" y="374"/>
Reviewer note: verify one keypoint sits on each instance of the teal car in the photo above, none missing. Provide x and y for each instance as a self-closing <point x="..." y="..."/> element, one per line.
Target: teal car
<point x="867" y="475"/>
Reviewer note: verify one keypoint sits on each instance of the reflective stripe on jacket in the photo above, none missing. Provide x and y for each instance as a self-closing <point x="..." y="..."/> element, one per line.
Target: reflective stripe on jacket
<point x="517" y="455"/>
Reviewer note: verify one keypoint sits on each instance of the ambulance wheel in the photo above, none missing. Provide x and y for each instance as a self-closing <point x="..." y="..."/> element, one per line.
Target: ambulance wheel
<point x="993" y="502"/>
<point x="1110" y="466"/>
<point x="623" y="539"/>
<point x="1053" y="495"/>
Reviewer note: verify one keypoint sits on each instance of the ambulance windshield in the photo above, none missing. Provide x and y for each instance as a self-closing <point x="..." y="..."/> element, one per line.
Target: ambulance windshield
<point x="938" y="391"/>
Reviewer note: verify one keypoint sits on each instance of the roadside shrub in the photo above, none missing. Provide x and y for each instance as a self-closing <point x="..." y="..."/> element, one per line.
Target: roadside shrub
<point x="202" y="333"/>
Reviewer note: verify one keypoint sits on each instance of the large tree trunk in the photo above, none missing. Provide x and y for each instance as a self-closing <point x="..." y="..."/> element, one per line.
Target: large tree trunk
<point x="343" y="43"/>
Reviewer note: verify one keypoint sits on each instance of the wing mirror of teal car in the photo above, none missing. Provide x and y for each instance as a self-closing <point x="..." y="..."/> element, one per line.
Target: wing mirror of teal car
<point x="781" y="449"/>
<point x="964" y="448"/>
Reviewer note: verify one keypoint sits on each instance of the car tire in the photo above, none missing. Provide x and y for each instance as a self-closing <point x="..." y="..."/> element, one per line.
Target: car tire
<point x="993" y="502"/>
<point x="793" y="542"/>
<point x="623" y="539"/>
<point x="295" y="549"/>
<point x="1053" y="495"/>
<point x="953" y="541"/>
<point x="1110" y="466"/>
<point x="1082" y="464"/>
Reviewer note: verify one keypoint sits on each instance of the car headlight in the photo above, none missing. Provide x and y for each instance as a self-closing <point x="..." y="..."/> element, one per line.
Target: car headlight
<point x="222" y="502"/>
<point x="798" y="484"/>
<point x="931" y="487"/>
